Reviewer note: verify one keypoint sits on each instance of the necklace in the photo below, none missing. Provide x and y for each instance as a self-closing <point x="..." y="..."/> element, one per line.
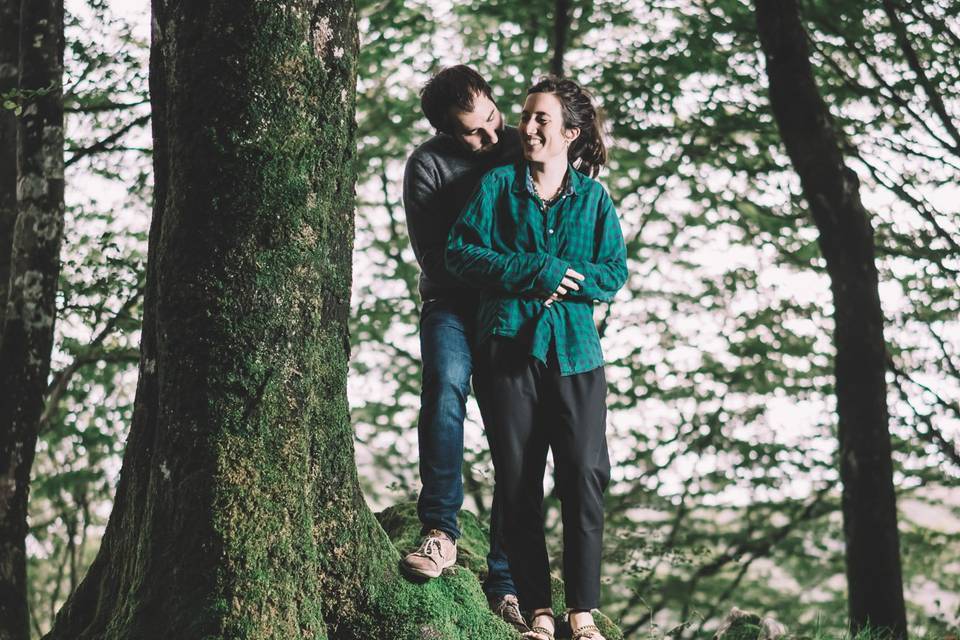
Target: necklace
<point x="553" y="196"/>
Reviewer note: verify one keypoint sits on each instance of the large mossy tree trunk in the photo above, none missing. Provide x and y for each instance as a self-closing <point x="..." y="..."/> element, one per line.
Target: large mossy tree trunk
<point x="238" y="512"/>
<point x="832" y="191"/>
<point x="31" y="256"/>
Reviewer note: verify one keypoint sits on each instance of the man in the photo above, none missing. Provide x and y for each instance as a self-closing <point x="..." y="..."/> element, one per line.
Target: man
<point x="440" y="176"/>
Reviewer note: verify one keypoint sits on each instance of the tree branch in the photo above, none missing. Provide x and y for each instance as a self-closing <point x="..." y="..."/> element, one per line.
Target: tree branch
<point x="756" y="548"/>
<point x="933" y="435"/>
<point x="920" y="206"/>
<point x="668" y="544"/>
<point x="947" y="358"/>
<point x="936" y="100"/>
<point x="104" y="145"/>
<point x="918" y="9"/>
<point x="883" y="85"/>
<point x="93" y="353"/>
<point x="723" y="596"/>
<point x="104" y="106"/>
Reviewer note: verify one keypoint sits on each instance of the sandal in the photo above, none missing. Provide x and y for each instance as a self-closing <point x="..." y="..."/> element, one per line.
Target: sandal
<point x="539" y="632"/>
<point x="586" y="632"/>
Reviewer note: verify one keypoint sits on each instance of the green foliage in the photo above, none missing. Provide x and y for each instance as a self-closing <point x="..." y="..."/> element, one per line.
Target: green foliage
<point x="725" y="488"/>
<point x="16" y="99"/>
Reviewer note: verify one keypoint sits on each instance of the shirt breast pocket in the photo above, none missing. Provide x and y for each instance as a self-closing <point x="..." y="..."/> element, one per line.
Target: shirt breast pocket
<point x="579" y="235"/>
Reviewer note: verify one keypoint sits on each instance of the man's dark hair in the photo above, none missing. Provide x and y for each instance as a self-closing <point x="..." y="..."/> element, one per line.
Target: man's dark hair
<point x="453" y="87"/>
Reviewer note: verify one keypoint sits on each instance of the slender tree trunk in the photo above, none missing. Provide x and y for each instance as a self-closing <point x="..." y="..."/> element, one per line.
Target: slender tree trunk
<point x="27" y="335"/>
<point x="238" y="512"/>
<point x="9" y="80"/>
<point x="561" y="35"/>
<point x="12" y="571"/>
<point x="846" y="240"/>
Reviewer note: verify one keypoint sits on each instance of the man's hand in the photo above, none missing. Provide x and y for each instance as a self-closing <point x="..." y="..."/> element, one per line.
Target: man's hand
<point x="571" y="282"/>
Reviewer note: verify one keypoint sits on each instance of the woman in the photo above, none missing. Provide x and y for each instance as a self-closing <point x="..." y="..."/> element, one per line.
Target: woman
<point x="543" y="241"/>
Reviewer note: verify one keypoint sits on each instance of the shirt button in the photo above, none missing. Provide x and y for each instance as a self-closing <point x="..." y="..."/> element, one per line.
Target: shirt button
<point x="550" y="231"/>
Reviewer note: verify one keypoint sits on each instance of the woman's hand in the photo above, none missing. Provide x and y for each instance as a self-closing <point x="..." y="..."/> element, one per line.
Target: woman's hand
<point x="571" y="282"/>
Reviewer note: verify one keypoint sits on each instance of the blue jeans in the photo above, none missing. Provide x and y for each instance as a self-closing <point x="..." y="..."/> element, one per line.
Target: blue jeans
<point x="446" y="328"/>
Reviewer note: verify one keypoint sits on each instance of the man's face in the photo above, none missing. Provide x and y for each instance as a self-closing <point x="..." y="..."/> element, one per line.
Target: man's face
<point x="477" y="130"/>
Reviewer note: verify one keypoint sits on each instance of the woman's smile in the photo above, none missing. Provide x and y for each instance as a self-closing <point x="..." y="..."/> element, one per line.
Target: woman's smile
<point x="533" y="143"/>
<point x="541" y="128"/>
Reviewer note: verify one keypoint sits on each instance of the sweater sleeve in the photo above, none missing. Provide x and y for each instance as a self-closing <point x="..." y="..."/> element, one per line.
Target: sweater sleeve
<point x="427" y="235"/>
<point x="604" y="276"/>
<point x="472" y="258"/>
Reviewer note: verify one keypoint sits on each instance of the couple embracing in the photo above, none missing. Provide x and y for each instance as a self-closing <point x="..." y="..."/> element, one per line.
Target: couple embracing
<point x="516" y="241"/>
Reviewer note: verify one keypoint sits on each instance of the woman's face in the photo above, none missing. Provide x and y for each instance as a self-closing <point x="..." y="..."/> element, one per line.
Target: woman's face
<point x="541" y="128"/>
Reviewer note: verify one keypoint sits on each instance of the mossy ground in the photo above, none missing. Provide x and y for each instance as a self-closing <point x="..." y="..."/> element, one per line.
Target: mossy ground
<point x="402" y="525"/>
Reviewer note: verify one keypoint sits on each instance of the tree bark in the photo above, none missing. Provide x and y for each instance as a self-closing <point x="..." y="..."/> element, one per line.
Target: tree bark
<point x="27" y="335"/>
<point x="846" y="241"/>
<point x="561" y="34"/>
<point x="9" y="80"/>
<point x="238" y="511"/>
<point x="12" y="572"/>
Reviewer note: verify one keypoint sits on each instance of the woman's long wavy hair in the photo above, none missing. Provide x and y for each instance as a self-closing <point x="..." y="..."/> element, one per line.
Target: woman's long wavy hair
<point x="588" y="152"/>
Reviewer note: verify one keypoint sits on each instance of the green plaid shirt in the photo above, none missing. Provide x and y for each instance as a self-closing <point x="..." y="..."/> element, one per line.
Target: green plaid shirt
<point x="517" y="250"/>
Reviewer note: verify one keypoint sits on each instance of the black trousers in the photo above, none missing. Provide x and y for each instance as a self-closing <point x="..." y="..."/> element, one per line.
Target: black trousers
<point x="528" y="407"/>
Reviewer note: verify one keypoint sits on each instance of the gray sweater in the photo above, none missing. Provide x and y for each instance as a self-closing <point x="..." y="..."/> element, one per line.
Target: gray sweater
<point x="439" y="179"/>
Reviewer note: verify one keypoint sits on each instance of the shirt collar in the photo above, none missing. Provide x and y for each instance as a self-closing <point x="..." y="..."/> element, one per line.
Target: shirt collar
<point x="523" y="181"/>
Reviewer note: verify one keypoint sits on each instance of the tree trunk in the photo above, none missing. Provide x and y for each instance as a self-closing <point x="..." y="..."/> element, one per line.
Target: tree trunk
<point x="561" y="34"/>
<point x="238" y="512"/>
<point x="9" y="64"/>
<point x="846" y="240"/>
<point x="12" y="571"/>
<point x="27" y="335"/>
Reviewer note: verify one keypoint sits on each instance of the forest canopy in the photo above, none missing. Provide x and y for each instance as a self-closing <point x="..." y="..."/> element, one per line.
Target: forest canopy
<point x="720" y="350"/>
